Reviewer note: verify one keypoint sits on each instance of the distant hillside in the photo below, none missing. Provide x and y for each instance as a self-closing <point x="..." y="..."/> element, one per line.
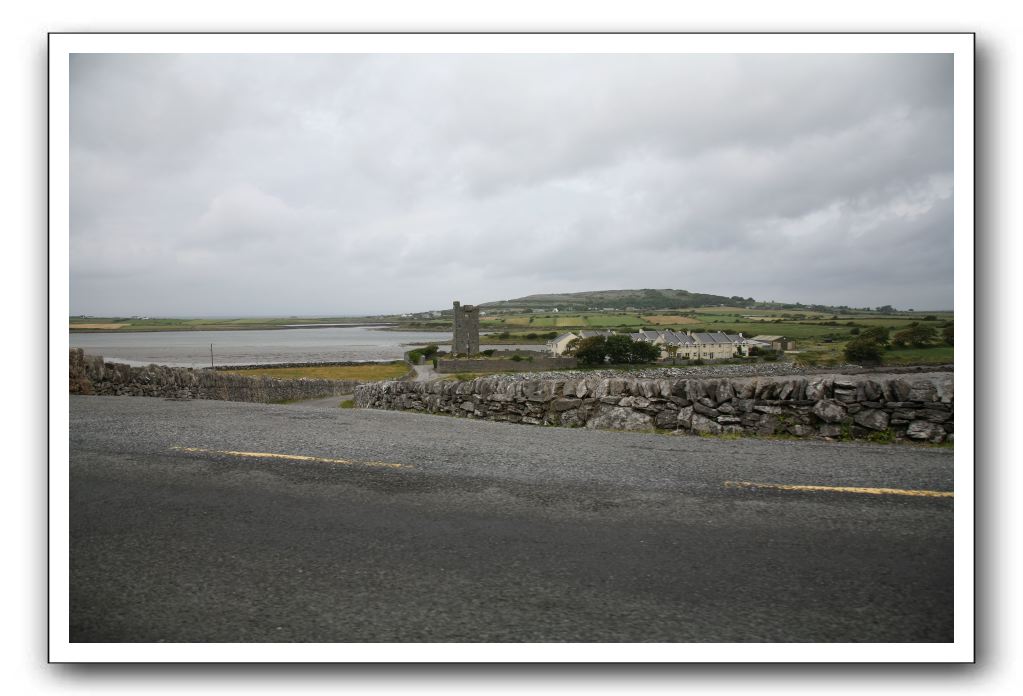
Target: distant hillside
<point x="619" y="299"/>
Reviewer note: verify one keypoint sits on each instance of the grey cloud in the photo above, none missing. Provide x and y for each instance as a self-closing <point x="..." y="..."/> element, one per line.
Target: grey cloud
<point x="315" y="184"/>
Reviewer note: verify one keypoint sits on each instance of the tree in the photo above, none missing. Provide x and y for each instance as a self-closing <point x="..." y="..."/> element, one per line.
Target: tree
<point x="946" y="334"/>
<point x="863" y="350"/>
<point x="589" y="351"/>
<point x="917" y="336"/>
<point x="672" y="351"/>
<point x="643" y="352"/>
<point x="878" y="334"/>
<point x="429" y="351"/>
<point x="619" y="349"/>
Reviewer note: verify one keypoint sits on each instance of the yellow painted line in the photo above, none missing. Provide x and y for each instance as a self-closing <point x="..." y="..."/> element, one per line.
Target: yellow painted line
<point x="290" y="457"/>
<point x="841" y="489"/>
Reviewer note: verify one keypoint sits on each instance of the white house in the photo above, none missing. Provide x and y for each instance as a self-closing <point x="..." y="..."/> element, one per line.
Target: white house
<point x="558" y="345"/>
<point x="686" y="345"/>
<point x="696" y="346"/>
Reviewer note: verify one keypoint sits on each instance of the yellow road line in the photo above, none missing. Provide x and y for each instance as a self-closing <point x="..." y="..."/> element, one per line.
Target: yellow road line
<point x="840" y="489"/>
<point x="291" y="457"/>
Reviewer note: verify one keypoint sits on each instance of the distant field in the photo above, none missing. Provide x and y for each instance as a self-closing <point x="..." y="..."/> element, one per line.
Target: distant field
<point x="669" y="319"/>
<point x="549" y="321"/>
<point x="369" y="373"/>
<point x="107" y="327"/>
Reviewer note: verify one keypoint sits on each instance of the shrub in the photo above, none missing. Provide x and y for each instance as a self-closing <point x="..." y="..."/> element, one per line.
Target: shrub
<point x="917" y="336"/>
<point x="489" y="352"/>
<point x="855" y="331"/>
<point x="947" y="334"/>
<point x="504" y="334"/>
<point x="698" y="361"/>
<point x="414" y="355"/>
<point x="517" y="357"/>
<point x="863" y="350"/>
<point x="807" y="359"/>
<point x="644" y="352"/>
<point x="590" y="351"/>
<point x="879" y="334"/>
<point x="531" y="336"/>
<point x="429" y="351"/>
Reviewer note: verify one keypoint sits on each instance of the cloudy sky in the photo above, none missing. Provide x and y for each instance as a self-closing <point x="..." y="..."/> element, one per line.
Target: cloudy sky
<point x="351" y="184"/>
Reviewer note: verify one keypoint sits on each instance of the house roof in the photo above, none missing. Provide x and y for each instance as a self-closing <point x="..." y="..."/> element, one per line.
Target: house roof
<point x="563" y="336"/>
<point x="769" y="339"/>
<point x="591" y="334"/>
<point x="678" y="338"/>
<point x="712" y="338"/>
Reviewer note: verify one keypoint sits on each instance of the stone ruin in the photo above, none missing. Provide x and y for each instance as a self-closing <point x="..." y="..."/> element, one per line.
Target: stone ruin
<point x="467" y="330"/>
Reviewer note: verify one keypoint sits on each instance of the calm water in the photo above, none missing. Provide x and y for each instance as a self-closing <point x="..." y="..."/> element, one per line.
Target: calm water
<point x="192" y="348"/>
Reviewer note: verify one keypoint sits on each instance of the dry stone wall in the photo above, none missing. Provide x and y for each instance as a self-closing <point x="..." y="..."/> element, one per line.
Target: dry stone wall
<point x="531" y="364"/>
<point x="89" y="374"/>
<point x="875" y="406"/>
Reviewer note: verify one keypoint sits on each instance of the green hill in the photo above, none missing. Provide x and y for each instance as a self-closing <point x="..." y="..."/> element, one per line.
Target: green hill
<point x="619" y="299"/>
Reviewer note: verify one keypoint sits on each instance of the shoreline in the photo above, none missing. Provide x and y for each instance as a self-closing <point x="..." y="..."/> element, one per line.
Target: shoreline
<point x="247" y="327"/>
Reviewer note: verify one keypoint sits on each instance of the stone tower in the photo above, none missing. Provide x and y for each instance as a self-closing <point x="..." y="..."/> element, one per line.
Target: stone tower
<point x="467" y="330"/>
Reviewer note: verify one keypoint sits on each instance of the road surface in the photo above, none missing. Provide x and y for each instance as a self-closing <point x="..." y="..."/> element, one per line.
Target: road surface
<point x="222" y="522"/>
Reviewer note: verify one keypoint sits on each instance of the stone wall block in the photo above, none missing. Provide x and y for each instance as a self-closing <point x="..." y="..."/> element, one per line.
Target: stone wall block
<point x="925" y="430"/>
<point x="872" y="418"/>
<point x="685" y="417"/>
<point x="829" y="410"/>
<point x="922" y="390"/>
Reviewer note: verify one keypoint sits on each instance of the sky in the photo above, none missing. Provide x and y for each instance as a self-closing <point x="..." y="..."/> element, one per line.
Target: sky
<point x="333" y="185"/>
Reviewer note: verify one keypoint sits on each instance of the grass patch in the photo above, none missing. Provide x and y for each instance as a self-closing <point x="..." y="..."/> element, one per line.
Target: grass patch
<point x="669" y="319"/>
<point x="347" y="403"/>
<point x="369" y="372"/>
<point x="934" y="355"/>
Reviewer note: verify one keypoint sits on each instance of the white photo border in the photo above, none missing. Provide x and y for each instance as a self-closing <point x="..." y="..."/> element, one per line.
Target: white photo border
<point x="62" y="45"/>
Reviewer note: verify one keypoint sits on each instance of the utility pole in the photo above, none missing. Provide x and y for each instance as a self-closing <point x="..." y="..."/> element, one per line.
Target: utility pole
<point x="211" y="356"/>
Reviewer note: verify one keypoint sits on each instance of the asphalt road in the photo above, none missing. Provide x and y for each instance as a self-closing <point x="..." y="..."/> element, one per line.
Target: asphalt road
<point x="407" y="527"/>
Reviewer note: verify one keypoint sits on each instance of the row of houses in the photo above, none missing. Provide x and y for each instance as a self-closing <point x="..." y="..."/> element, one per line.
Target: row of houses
<point x="686" y="345"/>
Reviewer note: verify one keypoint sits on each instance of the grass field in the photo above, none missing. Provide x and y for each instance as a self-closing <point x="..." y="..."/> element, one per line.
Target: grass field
<point x="935" y="355"/>
<point x="670" y="319"/>
<point x="369" y="373"/>
<point x="104" y="327"/>
<point x="540" y="322"/>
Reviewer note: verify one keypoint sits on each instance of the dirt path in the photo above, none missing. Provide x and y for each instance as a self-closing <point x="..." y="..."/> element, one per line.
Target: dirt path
<point x="322" y="402"/>
<point x="424" y="373"/>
